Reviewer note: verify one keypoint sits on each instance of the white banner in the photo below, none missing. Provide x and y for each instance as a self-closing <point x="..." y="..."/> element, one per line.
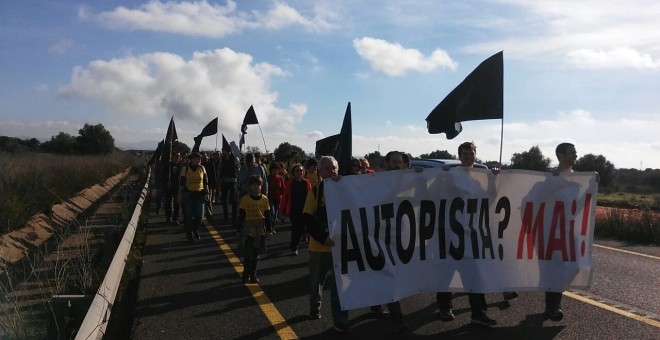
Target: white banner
<point x="400" y="233"/>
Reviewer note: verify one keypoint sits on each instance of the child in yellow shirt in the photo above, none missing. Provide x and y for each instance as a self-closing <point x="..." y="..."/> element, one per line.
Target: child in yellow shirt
<point x="254" y="217"/>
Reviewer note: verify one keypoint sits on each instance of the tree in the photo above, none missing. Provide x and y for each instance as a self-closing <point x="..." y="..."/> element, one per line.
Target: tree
<point x="492" y="164"/>
<point x="94" y="140"/>
<point x="530" y="160"/>
<point x="180" y="147"/>
<point x="438" y="154"/>
<point x="376" y="160"/>
<point x="62" y="143"/>
<point x="252" y="149"/>
<point x="9" y="144"/>
<point x="652" y="178"/>
<point x="13" y="144"/>
<point x="33" y="143"/>
<point x="591" y="162"/>
<point x="283" y="151"/>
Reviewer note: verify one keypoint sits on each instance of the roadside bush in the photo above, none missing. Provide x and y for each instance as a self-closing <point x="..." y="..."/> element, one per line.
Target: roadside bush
<point x="639" y="226"/>
<point x="33" y="182"/>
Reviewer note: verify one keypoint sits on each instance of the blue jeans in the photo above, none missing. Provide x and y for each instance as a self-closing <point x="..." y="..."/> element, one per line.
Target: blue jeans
<point x="193" y="205"/>
<point x="320" y="269"/>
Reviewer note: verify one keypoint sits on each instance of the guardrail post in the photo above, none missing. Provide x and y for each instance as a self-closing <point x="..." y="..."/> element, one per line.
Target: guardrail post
<point x="68" y="314"/>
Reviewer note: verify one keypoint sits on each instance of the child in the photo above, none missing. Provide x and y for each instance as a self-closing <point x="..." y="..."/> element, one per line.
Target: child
<point x="254" y="216"/>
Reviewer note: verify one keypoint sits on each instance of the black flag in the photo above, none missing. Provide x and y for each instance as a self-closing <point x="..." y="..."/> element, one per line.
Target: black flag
<point x="344" y="151"/>
<point x="156" y="155"/>
<point x="241" y="141"/>
<point x="479" y="96"/>
<point x="250" y="118"/>
<point x="225" y="144"/>
<point x="210" y="129"/>
<point x="326" y="146"/>
<point x="170" y="138"/>
<point x="339" y="146"/>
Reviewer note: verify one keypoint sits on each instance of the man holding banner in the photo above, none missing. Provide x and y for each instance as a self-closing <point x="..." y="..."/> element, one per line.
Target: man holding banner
<point x="394" y="161"/>
<point x="467" y="154"/>
<point x="460" y="231"/>
<point x="566" y="155"/>
<point x="320" y="245"/>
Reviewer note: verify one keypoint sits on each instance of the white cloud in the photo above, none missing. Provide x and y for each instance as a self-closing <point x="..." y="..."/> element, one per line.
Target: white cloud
<point x="624" y="141"/>
<point x="215" y="83"/>
<point x="41" y="130"/>
<point x="579" y="115"/>
<point x="201" y="18"/>
<point x="586" y="34"/>
<point x="84" y="13"/>
<point x="61" y="47"/>
<point x="395" y="60"/>
<point x="42" y="87"/>
<point x="623" y="57"/>
<point x="416" y="128"/>
<point x="283" y="15"/>
<point x="315" y="134"/>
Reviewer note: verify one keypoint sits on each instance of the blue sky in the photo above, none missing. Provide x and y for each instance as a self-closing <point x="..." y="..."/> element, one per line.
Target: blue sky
<point x="586" y="72"/>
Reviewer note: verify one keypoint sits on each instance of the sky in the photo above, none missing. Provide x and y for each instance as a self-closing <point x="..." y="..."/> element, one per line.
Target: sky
<point x="586" y="72"/>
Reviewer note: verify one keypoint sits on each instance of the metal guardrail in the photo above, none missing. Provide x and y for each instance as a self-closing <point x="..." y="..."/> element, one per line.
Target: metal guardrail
<point x="96" y="320"/>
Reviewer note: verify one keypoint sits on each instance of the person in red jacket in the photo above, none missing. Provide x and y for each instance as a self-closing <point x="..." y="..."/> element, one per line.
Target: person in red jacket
<point x="366" y="167"/>
<point x="275" y="191"/>
<point x="293" y="202"/>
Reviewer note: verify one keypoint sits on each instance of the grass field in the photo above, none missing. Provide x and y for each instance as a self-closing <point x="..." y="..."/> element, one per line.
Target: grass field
<point x="33" y="182"/>
<point x="630" y="200"/>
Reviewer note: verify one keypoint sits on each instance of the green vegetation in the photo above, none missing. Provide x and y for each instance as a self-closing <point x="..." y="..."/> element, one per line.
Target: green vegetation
<point x="630" y="200"/>
<point x="124" y="306"/>
<point x="33" y="182"/>
<point x="92" y="140"/>
<point x="630" y="225"/>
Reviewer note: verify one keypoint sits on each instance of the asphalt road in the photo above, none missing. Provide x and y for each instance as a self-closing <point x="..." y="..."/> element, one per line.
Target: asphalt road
<point x="193" y="291"/>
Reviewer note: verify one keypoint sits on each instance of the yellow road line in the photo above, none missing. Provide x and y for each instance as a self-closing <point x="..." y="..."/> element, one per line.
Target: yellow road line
<point x="627" y="252"/>
<point x="605" y="306"/>
<point x="267" y="307"/>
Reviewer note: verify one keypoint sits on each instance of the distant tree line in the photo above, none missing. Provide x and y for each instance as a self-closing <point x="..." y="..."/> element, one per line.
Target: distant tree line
<point x="91" y="140"/>
<point x="611" y="178"/>
<point x="95" y="140"/>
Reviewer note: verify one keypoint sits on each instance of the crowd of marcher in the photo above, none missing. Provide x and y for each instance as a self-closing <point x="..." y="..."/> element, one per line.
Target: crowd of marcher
<point x="263" y="192"/>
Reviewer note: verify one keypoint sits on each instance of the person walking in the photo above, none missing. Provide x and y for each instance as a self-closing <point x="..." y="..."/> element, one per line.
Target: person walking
<point x="293" y="202"/>
<point x="251" y="169"/>
<point x="228" y="174"/>
<point x="467" y="154"/>
<point x="194" y="193"/>
<point x="320" y="245"/>
<point x="567" y="156"/>
<point x="276" y="189"/>
<point x="254" y="219"/>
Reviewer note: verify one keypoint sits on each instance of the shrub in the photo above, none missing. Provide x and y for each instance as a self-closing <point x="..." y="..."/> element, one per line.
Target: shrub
<point x="639" y="226"/>
<point x="33" y="182"/>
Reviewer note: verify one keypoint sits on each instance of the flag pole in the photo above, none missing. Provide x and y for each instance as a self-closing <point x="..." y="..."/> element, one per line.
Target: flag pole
<point x="501" y="138"/>
<point x="262" y="137"/>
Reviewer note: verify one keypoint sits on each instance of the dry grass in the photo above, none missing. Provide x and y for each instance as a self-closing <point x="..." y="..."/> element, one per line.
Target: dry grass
<point x="632" y="225"/>
<point x="33" y="182"/>
<point x="26" y="306"/>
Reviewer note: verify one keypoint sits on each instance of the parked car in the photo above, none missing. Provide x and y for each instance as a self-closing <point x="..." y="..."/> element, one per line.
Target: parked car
<point x="439" y="163"/>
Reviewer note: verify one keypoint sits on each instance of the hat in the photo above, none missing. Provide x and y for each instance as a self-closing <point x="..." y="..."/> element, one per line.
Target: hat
<point x="195" y="155"/>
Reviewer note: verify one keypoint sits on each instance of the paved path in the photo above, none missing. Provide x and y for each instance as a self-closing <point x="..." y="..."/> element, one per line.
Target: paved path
<point x="194" y="291"/>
